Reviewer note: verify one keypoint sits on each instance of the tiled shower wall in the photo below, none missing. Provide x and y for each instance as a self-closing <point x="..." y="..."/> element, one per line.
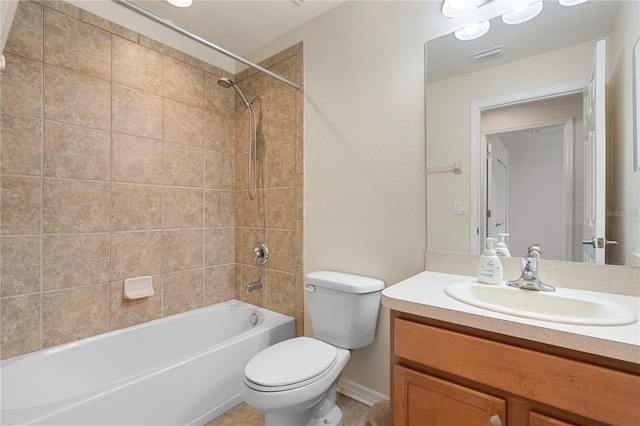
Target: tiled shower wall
<point x="117" y="160"/>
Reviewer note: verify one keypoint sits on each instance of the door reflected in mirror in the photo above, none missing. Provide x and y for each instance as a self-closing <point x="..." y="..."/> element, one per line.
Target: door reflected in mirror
<point x="529" y="111"/>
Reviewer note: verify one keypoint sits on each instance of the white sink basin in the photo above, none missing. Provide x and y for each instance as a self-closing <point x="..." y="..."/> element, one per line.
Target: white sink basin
<point x="564" y="305"/>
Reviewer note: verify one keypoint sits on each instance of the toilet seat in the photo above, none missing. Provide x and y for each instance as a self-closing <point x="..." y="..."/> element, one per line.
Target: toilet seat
<point x="290" y="364"/>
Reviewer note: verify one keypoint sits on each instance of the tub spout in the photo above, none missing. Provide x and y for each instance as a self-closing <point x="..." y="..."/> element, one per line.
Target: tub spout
<point x="254" y="286"/>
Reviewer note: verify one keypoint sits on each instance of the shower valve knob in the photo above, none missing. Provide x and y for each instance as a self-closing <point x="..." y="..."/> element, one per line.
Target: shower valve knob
<point x="260" y="254"/>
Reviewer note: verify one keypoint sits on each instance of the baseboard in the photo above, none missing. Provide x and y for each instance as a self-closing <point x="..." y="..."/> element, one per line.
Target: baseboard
<point x="360" y="393"/>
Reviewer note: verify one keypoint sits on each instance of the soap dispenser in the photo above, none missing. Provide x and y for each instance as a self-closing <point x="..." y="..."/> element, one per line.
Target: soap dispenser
<point x="501" y="246"/>
<point x="490" y="268"/>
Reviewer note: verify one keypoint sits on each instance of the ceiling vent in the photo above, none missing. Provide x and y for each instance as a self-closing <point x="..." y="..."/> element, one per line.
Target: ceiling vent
<point x="485" y="55"/>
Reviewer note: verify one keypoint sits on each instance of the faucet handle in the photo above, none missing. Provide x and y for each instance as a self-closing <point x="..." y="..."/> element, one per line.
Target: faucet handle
<point x="535" y="250"/>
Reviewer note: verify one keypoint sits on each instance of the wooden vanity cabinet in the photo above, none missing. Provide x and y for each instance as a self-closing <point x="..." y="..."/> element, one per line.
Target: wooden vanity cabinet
<point x="445" y="374"/>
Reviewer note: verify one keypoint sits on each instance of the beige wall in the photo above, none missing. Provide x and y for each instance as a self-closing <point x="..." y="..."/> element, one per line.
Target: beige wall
<point x="448" y="130"/>
<point x="118" y="158"/>
<point x="623" y="183"/>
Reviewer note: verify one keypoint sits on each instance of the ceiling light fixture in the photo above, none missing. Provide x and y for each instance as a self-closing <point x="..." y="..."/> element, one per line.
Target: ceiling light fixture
<point x="453" y="8"/>
<point x="180" y="3"/>
<point x="473" y="31"/>
<point x="522" y="14"/>
<point x="572" y="2"/>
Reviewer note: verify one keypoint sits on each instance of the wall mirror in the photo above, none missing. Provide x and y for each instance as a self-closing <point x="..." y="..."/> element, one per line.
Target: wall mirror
<point x="519" y="92"/>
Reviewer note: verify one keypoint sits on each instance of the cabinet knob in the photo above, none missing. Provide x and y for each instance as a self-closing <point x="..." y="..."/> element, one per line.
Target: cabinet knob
<point x="495" y="420"/>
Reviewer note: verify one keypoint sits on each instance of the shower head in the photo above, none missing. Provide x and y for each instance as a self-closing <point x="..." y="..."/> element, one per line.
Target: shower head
<point x="227" y="83"/>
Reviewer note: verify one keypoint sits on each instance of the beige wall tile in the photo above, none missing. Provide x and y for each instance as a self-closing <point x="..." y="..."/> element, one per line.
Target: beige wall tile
<point x="135" y="254"/>
<point x="129" y="209"/>
<point x="126" y="312"/>
<point x="75" y="260"/>
<point x="182" y="165"/>
<point x="281" y="250"/>
<point x="282" y="125"/>
<point x="21" y="86"/>
<point x="20" y="145"/>
<point x="137" y="67"/>
<point x="136" y="113"/>
<point x="299" y="197"/>
<point x="281" y="212"/>
<point x="280" y="292"/>
<point x="254" y="212"/>
<point x="135" y="160"/>
<point x="71" y="206"/>
<point x="219" y="170"/>
<point x="25" y="37"/>
<point x="183" y="208"/>
<point x="20" y="266"/>
<point x="183" y="292"/>
<point x="61" y="6"/>
<point x="219" y="132"/>
<point x="150" y="43"/>
<point x="281" y="166"/>
<point x="20" y="208"/>
<point x="182" y="250"/>
<point x="183" y="124"/>
<point x="299" y="243"/>
<point x="219" y="208"/>
<point x="75" y="152"/>
<point x="219" y="284"/>
<point x="75" y="98"/>
<point x="20" y="329"/>
<point x="106" y="25"/>
<point x="183" y="82"/>
<point x="135" y="207"/>
<point x="299" y="287"/>
<point x="87" y="52"/>
<point x="75" y="313"/>
<point x="210" y="69"/>
<point x="279" y="93"/>
<point x="219" y="246"/>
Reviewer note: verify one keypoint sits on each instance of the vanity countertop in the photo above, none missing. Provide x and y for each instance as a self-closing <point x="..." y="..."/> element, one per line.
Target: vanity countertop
<point x="424" y="295"/>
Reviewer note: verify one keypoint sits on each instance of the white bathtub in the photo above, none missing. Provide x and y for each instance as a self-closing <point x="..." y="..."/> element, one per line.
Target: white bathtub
<point x="180" y="370"/>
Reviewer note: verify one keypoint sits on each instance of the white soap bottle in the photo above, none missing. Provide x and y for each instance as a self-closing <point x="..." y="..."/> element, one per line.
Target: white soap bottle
<point x="490" y="268"/>
<point x="501" y="246"/>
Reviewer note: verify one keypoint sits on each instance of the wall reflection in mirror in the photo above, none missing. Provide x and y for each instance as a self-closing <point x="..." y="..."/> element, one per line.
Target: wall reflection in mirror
<point x="533" y="105"/>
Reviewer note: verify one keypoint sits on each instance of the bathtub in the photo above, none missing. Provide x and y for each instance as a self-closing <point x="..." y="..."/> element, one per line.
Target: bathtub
<point x="180" y="370"/>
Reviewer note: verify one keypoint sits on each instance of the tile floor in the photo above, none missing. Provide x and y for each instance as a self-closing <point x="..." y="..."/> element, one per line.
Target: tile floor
<point x="353" y="414"/>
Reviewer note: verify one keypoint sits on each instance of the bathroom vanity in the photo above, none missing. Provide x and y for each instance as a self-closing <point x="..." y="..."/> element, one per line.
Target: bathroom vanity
<point x="454" y="363"/>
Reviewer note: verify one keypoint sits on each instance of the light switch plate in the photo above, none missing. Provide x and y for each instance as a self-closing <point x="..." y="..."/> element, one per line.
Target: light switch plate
<point x="460" y="207"/>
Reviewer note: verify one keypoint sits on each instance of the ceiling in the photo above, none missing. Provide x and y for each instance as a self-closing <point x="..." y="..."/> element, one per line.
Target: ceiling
<point x="239" y="26"/>
<point x="554" y="28"/>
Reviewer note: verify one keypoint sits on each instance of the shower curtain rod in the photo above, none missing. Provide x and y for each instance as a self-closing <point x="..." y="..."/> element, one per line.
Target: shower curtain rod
<point x="186" y="33"/>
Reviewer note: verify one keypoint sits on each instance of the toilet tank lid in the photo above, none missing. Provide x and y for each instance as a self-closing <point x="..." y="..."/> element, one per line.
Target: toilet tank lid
<point x="344" y="282"/>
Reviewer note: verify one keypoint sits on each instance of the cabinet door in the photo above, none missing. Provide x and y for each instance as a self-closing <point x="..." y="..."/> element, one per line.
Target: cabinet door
<point x="422" y="400"/>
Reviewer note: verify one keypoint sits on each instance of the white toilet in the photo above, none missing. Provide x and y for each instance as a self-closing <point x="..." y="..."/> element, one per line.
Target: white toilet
<point x="294" y="382"/>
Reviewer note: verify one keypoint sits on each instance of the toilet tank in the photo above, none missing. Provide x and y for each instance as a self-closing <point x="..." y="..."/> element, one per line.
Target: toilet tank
<point x="343" y="308"/>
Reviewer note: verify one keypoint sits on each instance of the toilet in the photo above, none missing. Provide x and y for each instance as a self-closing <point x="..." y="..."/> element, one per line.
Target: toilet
<point x="294" y="382"/>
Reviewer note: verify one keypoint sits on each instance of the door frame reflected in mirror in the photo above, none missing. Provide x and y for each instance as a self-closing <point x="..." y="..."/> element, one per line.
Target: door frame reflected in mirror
<point x="478" y="192"/>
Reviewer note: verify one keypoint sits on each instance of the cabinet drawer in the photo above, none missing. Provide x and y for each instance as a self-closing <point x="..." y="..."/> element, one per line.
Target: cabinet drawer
<point x="599" y="393"/>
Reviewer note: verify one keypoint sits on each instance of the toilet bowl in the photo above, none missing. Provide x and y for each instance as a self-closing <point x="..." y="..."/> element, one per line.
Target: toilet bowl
<point x="309" y="369"/>
<point x="295" y="382"/>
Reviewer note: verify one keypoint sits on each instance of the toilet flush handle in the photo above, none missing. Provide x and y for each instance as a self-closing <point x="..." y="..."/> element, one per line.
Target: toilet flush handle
<point x="309" y="288"/>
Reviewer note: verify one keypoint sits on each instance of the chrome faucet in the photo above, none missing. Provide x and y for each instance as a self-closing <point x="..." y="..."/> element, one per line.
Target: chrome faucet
<point x="529" y="278"/>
